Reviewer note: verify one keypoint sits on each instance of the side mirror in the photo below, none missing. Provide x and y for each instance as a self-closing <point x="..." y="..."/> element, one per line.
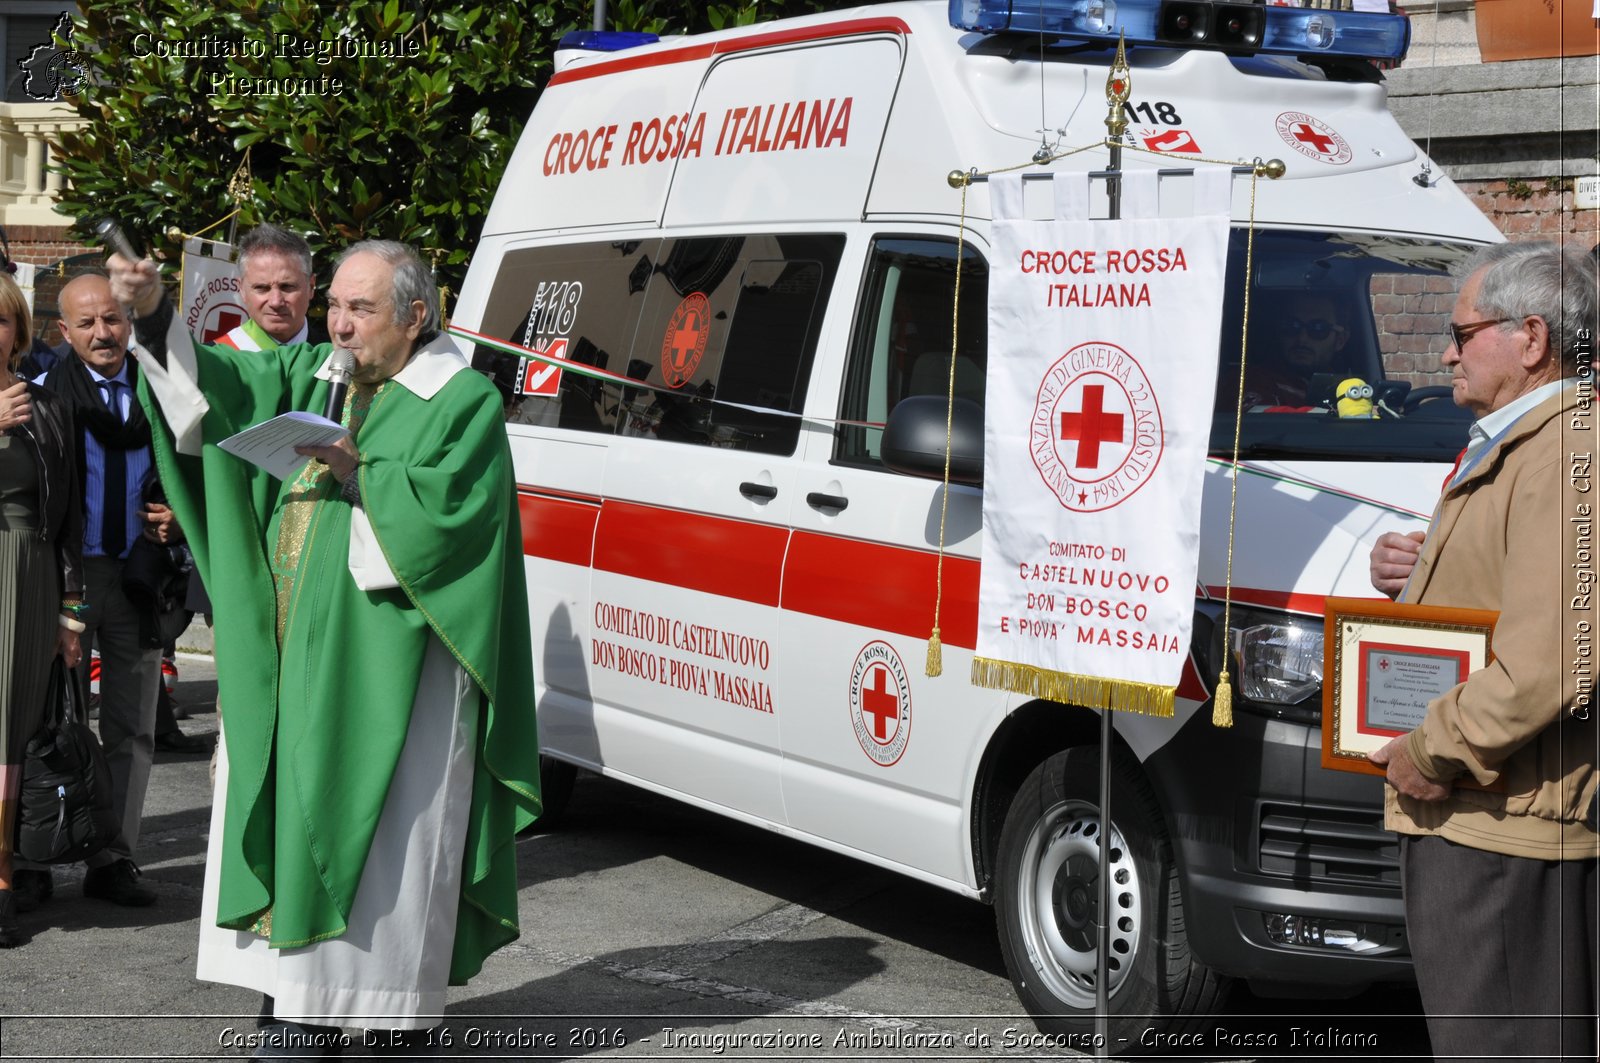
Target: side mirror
<point x="914" y="438"/>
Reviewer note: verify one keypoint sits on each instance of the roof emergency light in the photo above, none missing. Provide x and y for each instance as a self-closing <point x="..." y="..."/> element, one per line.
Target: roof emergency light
<point x="1233" y="27"/>
<point x="606" y="40"/>
<point x="1355" y="34"/>
<point x="1082" y="19"/>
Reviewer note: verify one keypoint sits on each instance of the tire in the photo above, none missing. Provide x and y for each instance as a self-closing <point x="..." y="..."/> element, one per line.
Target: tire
<point x="556" y="779"/>
<point x="1046" y="894"/>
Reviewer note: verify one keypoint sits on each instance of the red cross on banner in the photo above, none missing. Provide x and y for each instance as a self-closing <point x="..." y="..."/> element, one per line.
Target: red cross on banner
<point x="1091" y="426"/>
<point x="226" y="322"/>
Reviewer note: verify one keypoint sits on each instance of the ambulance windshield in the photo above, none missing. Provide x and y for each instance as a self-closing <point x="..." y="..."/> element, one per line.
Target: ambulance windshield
<point x="1340" y="348"/>
<point x="1341" y="357"/>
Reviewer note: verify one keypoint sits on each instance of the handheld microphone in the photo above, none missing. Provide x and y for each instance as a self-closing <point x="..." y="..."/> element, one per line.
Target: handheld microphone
<point x="111" y="234"/>
<point x="340" y="365"/>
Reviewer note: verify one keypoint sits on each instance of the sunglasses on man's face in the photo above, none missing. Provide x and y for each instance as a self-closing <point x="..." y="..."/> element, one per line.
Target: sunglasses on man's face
<point x="1317" y="328"/>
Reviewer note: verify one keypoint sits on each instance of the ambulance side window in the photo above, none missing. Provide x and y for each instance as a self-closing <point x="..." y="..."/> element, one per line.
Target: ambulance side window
<point x="901" y="342"/>
<point x="728" y="331"/>
<point x="579" y="303"/>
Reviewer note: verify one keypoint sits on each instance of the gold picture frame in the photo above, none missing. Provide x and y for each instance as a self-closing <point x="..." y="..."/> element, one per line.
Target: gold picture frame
<point x="1383" y="662"/>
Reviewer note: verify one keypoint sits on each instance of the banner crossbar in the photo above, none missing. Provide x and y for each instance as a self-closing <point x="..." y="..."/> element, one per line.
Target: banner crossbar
<point x="974" y="177"/>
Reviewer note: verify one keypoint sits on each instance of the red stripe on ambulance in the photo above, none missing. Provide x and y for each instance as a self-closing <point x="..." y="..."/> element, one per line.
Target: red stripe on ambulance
<point x="559" y="529"/>
<point x="737" y="559"/>
<point x="1309" y="604"/>
<point x="884" y="587"/>
<point x="847" y="28"/>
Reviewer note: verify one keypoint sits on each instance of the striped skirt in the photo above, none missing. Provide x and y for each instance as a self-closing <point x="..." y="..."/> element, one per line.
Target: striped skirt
<point x="29" y="600"/>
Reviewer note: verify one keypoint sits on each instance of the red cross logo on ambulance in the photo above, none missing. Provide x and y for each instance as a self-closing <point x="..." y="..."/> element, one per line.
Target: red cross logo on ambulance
<point x="1095" y="435"/>
<point x="1313" y="138"/>
<point x="880" y="703"/>
<point x="685" y="341"/>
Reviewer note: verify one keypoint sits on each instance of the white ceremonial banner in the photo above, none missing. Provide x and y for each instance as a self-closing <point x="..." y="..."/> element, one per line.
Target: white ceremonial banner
<point x="25" y="277"/>
<point x="1102" y="373"/>
<point x="211" y="303"/>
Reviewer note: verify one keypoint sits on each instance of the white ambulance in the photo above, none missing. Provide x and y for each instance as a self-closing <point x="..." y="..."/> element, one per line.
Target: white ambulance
<point x="735" y="255"/>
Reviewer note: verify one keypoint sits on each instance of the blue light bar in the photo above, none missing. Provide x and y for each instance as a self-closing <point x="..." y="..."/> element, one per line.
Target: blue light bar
<point x="1238" y="27"/>
<point x="1083" y="19"/>
<point x="606" y="40"/>
<point x="1312" y="31"/>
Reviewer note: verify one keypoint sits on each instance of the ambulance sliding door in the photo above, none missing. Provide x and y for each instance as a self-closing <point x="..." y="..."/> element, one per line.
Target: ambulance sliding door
<point x="579" y="302"/>
<point x="699" y="485"/>
<point x="877" y="755"/>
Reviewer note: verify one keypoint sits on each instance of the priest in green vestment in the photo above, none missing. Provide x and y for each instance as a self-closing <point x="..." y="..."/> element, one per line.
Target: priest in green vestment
<point x="373" y="653"/>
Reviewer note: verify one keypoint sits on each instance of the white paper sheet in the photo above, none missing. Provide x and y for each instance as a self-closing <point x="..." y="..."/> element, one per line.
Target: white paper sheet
<point x="270" y="444"/>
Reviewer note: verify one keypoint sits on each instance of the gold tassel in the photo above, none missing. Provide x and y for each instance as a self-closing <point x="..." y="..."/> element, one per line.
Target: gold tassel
<point x="1086" y="691"/>
<point x="1222" y="702"/>
<point x="935" y="655"/>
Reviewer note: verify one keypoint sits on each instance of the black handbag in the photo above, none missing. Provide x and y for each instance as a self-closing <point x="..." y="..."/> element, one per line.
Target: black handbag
<point x="155" y="578"/>
<point x="65" y="812"/>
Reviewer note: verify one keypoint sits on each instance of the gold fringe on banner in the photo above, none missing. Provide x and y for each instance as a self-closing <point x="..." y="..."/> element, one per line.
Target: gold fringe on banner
<point x="1088" y="691"/>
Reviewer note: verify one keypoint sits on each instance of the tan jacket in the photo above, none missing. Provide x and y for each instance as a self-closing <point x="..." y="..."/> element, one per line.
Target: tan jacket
<point x="1516" y="535"/>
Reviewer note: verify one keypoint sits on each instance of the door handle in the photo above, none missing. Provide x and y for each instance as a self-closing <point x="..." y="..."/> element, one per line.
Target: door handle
<point x="753" y="491"/>
<point x="818" y="500"/>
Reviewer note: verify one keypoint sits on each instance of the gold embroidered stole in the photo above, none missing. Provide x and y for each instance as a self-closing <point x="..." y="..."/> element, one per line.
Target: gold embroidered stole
<point x="314" y="484"/>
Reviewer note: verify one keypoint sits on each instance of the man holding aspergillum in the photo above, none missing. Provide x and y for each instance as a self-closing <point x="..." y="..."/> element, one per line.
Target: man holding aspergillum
<point x="373" y="653"/>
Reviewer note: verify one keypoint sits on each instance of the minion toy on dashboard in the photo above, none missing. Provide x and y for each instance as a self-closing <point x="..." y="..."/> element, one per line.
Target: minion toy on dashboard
<point x="1354" y="397"/>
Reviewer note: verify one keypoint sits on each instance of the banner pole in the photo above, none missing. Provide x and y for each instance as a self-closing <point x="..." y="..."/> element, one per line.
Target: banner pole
<point x="1118" y="89"/>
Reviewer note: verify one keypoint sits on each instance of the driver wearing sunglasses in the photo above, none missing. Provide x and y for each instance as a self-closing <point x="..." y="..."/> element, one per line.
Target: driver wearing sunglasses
<point x="1306" y="337"/>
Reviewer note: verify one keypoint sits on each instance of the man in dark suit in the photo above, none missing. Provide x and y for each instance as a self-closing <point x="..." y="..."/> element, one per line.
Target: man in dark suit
<point x="114" y="462"/>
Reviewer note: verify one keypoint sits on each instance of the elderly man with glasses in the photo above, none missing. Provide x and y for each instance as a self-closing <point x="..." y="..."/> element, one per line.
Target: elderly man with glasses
<point x="1492" y="792"/>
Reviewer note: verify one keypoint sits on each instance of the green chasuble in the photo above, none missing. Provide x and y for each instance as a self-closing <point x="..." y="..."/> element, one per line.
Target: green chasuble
<point x="316" y="721"/>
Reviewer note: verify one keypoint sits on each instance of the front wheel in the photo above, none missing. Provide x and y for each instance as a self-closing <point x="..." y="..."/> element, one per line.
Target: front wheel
<point x="1046" y="901"/>
<point x="556" y="779"/>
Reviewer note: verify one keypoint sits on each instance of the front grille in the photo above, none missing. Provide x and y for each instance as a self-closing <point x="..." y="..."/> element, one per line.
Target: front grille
<point x="1346" y="845"/>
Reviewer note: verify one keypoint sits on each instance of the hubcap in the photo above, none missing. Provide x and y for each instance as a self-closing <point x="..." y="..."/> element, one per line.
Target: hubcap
<point x="1058" y="898"/>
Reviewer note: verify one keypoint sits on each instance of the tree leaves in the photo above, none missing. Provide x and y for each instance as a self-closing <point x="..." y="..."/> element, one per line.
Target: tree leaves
<point x="387" y="119"/>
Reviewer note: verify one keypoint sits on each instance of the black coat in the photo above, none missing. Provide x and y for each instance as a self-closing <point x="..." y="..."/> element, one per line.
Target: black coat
<point x="53" y="440"/>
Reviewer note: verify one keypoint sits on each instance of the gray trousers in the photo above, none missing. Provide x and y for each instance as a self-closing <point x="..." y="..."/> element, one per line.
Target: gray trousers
<point x="1505" y="951"/>
<point x="129" y="675"/>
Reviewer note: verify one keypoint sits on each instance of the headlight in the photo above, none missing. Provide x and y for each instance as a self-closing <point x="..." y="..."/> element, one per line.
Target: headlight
<point x="1280" y="664"/>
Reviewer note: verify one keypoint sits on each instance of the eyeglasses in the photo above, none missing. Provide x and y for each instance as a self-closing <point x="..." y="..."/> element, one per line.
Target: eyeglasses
<point x="1317" y="328"/>
<point x="1460" y="334"/>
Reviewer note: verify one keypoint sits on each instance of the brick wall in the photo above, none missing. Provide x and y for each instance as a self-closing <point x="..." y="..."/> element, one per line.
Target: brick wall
<point x="1535" y="209"/>
<point x="42" y="246"/>
<point x="1412" y="312"/>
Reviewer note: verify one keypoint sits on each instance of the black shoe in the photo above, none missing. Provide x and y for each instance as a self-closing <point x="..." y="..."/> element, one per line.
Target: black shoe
<point x="32" y="888"/>
<point x="178" y="742"/>
<point x="10" y="928"/>
<point x="118" y="883"/>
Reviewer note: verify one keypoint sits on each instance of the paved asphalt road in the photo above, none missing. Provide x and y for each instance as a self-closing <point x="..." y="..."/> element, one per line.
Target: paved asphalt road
<point x="650" y="930"/>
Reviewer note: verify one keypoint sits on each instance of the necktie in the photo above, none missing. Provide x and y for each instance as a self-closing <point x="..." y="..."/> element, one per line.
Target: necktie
<point x="114" y="507"/>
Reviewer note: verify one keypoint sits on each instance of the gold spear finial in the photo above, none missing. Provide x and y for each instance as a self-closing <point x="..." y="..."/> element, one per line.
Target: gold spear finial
<point x="241" y="184"/>
<point x="1119" y="86"/>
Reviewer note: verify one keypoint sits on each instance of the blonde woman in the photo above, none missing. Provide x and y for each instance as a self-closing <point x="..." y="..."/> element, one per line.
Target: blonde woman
<point x="41" y="574"/>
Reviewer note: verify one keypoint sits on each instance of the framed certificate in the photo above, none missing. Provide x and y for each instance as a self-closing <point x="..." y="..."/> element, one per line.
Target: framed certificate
<point x="1383" y="662"/>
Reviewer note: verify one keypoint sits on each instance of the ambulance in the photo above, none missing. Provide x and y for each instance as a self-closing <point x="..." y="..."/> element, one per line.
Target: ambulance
<point x="718" y="288"/>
